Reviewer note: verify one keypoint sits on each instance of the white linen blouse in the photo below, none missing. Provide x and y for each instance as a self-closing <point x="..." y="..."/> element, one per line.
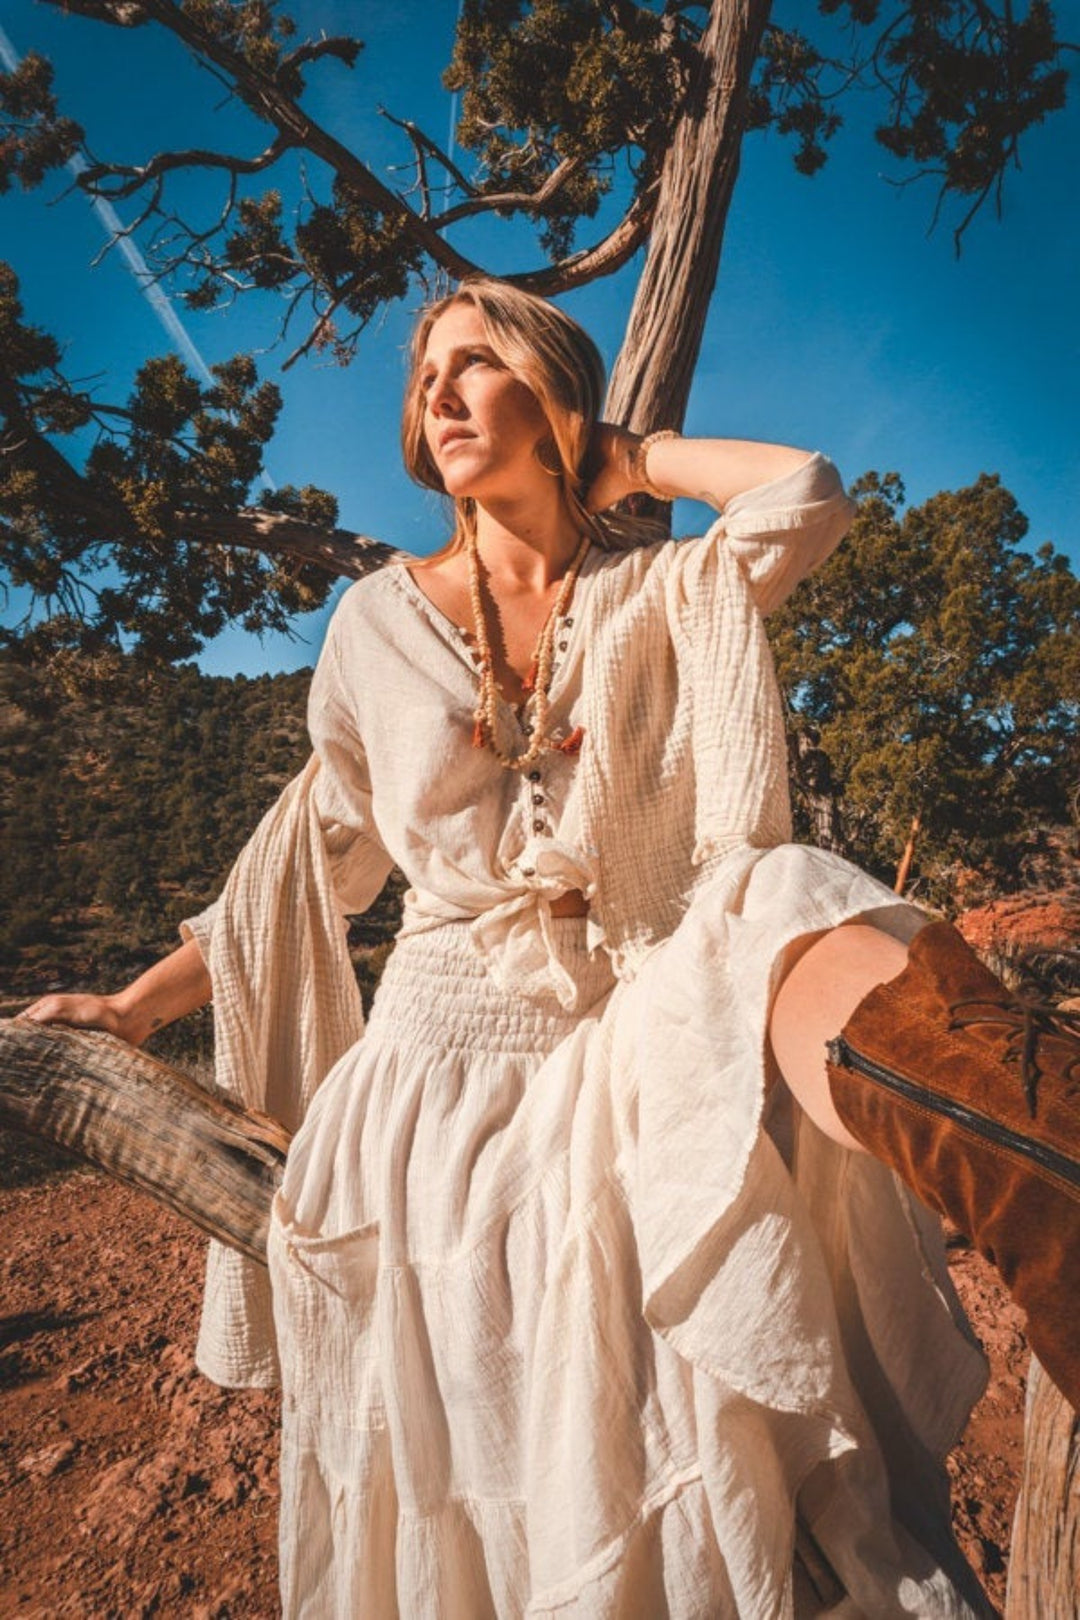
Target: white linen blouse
<point x="391" y="717"/>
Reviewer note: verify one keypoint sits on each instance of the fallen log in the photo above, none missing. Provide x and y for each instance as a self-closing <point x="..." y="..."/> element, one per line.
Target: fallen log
<point x="144" y="1122"/>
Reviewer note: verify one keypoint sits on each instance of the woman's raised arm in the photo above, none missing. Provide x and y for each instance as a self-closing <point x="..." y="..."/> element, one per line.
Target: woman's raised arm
<point x="712" y="470"/>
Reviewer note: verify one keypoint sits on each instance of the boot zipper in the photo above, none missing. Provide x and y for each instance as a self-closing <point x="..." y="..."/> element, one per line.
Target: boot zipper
<point x="1058" y="1164"/>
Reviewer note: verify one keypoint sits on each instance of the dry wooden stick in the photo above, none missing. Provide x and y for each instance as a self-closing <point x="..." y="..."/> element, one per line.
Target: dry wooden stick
<point x="1044" y="1563"/>
<point x="145" y="1123"/>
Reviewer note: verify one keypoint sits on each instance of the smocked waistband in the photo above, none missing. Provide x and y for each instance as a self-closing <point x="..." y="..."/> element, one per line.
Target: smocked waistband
<point x="436" y="991"/>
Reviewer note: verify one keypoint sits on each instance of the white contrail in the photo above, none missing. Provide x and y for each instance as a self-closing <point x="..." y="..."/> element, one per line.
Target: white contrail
<point x="150" y="289"/>
<point x="113" y="227"/>
<point x="454" y="98"/>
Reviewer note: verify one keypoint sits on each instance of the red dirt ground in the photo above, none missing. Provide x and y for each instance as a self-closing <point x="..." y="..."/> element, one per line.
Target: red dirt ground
<point x="130" y="1486"/>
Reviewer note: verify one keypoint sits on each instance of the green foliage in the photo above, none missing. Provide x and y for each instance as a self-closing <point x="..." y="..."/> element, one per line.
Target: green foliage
<point x="790" y="94"/>
<point x="933" y="668"/>
<point x="969" y="84"/>
<point x="357" y="254"/>
<point x="568" y="81"/>
<point x="24" y="350"/>
<point x="254" y="29"/>
<point x="962" y="81"/>
<point x="114" y="554"/>
<point x="124" y="798"/>
<point x="34" y="137"/>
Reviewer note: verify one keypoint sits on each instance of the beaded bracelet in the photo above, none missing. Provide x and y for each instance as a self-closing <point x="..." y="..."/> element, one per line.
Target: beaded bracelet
<point x="639" y="460"/>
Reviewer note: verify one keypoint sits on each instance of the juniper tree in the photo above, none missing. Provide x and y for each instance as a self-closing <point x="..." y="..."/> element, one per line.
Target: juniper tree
<point x="932" y="670"/>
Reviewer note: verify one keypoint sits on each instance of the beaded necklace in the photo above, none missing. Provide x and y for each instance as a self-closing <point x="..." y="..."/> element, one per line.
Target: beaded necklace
<point x="537" y="680"/>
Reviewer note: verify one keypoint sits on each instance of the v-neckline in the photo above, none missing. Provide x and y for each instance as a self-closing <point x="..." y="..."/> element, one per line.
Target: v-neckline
<point x="459" y="637"/>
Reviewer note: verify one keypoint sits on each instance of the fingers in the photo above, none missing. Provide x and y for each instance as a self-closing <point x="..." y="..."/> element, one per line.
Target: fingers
<point x="42" y="1011"/>
<point x="610" y="456"/>
<point x="81" y="1011"/>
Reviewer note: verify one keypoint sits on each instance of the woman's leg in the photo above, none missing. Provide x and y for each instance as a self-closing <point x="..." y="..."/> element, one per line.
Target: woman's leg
<point x="968" y="1092"/>
<point x="827" y="976"/>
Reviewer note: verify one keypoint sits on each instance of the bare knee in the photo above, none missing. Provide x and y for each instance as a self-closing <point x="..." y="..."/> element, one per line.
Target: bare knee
<point x="826" y="977"/>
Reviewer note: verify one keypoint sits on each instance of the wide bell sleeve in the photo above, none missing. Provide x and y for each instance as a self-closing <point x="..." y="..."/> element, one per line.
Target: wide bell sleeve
<point x="286" y="1001"/>
<point x="781" y="531"/>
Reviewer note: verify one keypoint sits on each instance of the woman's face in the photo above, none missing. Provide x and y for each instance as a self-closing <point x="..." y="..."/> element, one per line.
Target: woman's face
<point x="481" y="424"/>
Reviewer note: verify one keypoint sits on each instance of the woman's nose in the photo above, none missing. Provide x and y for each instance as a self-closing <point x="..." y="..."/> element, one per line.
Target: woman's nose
<point x="443" y="398"/>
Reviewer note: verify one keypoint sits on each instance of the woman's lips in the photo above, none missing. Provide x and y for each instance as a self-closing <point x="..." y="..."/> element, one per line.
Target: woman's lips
<point x="449" y="440"/>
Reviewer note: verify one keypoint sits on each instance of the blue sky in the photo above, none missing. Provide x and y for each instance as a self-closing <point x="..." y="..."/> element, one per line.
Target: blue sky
<point x="837" y="321"/>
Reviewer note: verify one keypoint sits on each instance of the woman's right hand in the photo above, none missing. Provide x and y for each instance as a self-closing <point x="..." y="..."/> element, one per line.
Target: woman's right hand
<point x="173" y="987"/>
<point x="85" y="1012"/>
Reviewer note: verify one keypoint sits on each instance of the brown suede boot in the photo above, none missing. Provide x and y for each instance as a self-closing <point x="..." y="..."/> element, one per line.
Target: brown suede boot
<point x="972" y="1095"/>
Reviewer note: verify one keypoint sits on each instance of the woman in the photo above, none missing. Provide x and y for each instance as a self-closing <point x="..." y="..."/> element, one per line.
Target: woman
<point x="575" y="1308"/>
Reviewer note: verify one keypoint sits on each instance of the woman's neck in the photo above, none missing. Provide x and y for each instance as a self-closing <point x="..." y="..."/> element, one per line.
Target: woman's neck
<point x="528" y="544"/>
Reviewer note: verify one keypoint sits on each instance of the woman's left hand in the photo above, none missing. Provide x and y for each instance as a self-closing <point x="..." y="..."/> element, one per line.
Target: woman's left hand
<point x="611" y="460"/>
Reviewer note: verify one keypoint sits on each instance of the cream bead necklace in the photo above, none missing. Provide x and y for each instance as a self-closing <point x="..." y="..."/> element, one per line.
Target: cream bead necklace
<point x="537" y="680"/>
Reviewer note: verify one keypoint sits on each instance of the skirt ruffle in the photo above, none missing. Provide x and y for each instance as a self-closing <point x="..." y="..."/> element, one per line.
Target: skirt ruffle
<point x="575" y="1320"/>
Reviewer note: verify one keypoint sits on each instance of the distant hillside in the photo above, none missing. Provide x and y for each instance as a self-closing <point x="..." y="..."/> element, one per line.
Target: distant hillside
<point x="124" y="800"/>
<point x="122" y="806"/>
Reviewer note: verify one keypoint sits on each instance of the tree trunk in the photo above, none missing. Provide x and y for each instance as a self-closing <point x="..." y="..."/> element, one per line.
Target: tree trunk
<point x="1044" y="1567"/>
<point x="650" y="384"/>
<point x="811" y="769"/>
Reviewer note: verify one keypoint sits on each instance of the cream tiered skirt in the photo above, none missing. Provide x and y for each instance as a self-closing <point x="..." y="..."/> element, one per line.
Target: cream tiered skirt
<point x="577" y="1315"/>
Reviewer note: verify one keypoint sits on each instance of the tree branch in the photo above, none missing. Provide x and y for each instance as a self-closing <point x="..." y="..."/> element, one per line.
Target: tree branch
<point x="117" y="13"/>
<point x="266" y="99"/>
<point x="424" y="146"/>
<point x="133" y="177"/>
<point x="602" y="259"/>
<point x="337" y="45"/>
<point x="526" y="201"/>
<point x="338" y="552"/>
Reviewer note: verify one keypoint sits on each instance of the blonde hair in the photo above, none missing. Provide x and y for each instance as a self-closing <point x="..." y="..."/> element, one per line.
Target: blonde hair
<point x="556" y="359"/>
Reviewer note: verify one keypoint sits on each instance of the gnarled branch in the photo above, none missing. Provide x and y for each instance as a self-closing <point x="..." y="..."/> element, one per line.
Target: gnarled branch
<point x="265" y="97"/>
<point x="131" y="177"/>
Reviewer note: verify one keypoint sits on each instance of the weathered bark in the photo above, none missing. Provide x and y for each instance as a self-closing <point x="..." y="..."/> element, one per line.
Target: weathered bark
<point x="1044" y="1566"/>
<point x="811" y="769"/>
<point x="650" y="384"/>
<point x="337" y="551"/>
<point x="146" y="1124"/>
